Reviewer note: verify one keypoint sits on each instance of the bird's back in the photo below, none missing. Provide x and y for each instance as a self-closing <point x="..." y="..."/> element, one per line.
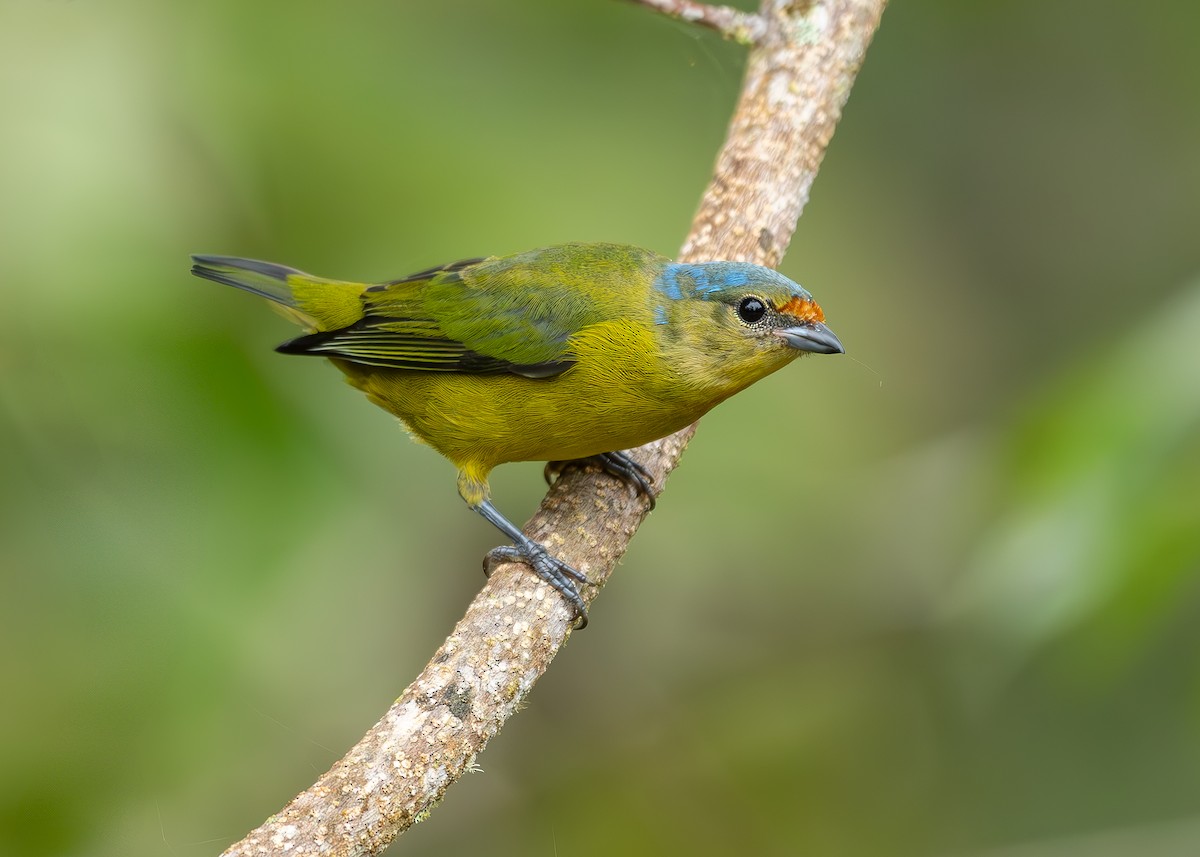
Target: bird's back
<point x="524" y="308"/>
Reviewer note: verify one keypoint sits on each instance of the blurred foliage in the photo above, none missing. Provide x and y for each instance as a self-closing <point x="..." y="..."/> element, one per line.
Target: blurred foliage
<point x="938" y="599"/>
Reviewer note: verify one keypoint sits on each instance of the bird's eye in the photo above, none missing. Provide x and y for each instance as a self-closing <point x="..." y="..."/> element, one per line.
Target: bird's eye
<point x="751" y="309"/>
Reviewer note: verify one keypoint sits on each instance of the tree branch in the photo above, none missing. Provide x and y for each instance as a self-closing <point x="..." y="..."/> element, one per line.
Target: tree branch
<point x="733" y="24"/>
<point x="798" y="76"/>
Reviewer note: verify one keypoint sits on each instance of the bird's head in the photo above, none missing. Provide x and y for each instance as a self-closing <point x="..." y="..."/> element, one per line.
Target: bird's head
<point x="735" y="322"/>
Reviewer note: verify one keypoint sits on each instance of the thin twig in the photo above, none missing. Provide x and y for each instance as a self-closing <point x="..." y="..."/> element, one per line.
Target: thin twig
<point x="798" y="77"/>
<point x="743" y="27"/>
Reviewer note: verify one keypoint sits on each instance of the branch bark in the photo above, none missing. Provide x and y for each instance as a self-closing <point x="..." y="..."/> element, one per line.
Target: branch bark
<point x="732" y="24"/>
<point x="803" y="60"/>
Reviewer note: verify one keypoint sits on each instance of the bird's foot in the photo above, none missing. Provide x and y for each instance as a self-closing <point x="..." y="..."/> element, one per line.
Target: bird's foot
<point x="616" y="464"/>
<point x="554" y="571"/>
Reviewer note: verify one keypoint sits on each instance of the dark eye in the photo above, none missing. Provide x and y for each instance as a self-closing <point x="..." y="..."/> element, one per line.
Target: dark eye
<point x="751" y="309"/>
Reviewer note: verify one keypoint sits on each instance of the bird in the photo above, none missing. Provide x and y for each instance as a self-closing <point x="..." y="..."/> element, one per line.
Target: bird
<point x="567" y="353"/>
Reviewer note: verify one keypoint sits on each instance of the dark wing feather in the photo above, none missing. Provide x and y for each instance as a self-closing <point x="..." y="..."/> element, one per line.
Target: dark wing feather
<point x="387" y="345"/>
<point x="427" y="274"/>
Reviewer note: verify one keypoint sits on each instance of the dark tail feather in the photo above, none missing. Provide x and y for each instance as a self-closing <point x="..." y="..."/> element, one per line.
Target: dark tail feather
<point x="265" y="279"/>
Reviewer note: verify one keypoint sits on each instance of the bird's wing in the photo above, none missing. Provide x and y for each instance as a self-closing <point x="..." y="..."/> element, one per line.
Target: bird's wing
<point x="415" y="345"/>
<point x="476" y="316"/>
<point x="525" y="309"/>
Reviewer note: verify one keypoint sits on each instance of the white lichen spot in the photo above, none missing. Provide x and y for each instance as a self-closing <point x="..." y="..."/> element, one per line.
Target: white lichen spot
<point x="283" y="837"/>
<point x="527" y="680"/>
<point x="810" y="29"/>
<point x="806" y="114"/>
<point x="407" y="719"/>
<point x="435" y="778"/>
<point x="495" y="684"/>
<point x="779" y="90"/>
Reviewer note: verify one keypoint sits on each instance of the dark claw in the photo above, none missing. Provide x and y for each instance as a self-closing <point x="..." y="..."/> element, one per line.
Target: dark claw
<point x="553" y="470"/>
<point x="550" y="569"/>
<point x="615" y="464"/>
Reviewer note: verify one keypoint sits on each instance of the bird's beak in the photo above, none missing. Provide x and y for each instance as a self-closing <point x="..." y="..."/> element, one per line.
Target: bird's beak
<point x="812" y="336"/>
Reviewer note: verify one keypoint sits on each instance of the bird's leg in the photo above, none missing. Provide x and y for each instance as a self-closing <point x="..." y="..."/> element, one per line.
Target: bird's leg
<point x="617" y="464"/>
<point x="524" y="549"/>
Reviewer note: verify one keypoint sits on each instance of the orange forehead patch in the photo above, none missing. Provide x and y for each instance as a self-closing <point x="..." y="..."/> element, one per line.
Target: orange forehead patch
<point x="803" y="309"/>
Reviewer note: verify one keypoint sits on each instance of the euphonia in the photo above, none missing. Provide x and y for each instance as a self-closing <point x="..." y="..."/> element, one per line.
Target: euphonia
<point x="568" y="352"/>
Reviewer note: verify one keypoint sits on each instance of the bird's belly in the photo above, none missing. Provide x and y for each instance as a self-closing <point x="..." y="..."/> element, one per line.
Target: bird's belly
<point x="491" y="419"/>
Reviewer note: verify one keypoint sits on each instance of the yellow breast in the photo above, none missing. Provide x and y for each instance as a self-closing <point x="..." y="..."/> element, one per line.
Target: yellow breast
<point x="617" y="395"/>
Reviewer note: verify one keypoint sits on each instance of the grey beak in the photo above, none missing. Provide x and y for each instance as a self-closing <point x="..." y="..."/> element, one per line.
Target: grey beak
<point x="812" y="336"/>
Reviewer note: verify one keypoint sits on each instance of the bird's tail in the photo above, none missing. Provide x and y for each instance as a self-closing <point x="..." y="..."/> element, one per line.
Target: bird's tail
<point x="265" y="279"/>
<point x="309" y="301"/>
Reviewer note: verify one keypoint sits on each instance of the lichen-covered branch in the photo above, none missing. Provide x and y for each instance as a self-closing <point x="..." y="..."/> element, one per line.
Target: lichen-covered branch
<point x="799" y="73"/>
<point x="732" y="24"/>
<point x="798" y="77"/>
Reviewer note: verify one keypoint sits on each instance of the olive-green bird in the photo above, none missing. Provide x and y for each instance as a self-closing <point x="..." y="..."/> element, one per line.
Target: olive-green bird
<point x="568" y="352"/>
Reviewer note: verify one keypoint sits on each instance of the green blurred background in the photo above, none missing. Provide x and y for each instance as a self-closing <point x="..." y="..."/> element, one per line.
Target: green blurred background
<point x="940" y="599"/>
